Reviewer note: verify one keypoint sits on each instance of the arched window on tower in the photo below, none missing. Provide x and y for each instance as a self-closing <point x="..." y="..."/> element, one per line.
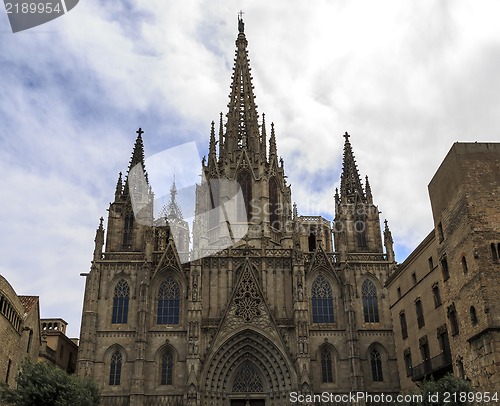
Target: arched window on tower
<point x="169" y="297"/>
<point x="167" y="368"/>
<point x="120" y="303"/>
<point x="128" y="230"/>
<point x="370" y="303"/>
<point x="360" y="228"/>
<point x="322" y="301"/>
<point x="213" y="217"/>
<point x="274" y="204"/>
<point x="312" y="242"/>
<point x="244" y="209"/>
<point x="326" y="365"/>
<point x="115" y="368"/>
<point x="376" y="364"/>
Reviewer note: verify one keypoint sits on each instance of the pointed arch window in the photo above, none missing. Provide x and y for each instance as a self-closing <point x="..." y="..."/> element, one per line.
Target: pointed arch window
<point x="247" y="380"/>
<point x="326" y="366"/>
<point x="169" y="296"/>
<point x="120" y="303"/>
<point x="128" y="228"/>
<point x="376" y="364"/>
<point x="360" y="228"/>
<point x="115" y="368"/>
<point x="312" y="242"/>
<point x="167" y="368"/>
<point x="370" y="302"/>
<point x="244" y="209"/>
<point x="274" y="204"/>
<point x="213" y="218"/>
<point x="322" y="301"/>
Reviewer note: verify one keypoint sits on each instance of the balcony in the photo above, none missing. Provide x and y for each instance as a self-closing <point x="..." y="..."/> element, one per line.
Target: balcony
<point x="436" y="366"/>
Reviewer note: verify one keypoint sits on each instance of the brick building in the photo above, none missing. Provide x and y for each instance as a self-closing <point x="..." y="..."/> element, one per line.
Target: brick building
<point x="459" y="262"/>
<point x="19" y="330"/>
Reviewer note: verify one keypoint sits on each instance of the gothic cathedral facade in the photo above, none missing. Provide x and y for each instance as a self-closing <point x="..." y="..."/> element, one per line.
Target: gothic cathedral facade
<point x="296" y="305"/>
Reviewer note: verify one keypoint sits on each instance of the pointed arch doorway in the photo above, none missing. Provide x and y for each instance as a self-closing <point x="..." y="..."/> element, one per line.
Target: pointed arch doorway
<point x="247" y="387"/>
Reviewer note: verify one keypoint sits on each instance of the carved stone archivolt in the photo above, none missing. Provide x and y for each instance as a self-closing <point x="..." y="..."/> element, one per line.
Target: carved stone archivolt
<point x="241" y="354"/>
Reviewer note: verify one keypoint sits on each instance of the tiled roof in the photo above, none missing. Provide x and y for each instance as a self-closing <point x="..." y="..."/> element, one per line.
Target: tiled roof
<point x="28" y="302"/>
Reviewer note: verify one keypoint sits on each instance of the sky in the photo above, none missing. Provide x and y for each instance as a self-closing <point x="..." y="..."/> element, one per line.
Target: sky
<point x="406" y="79"/>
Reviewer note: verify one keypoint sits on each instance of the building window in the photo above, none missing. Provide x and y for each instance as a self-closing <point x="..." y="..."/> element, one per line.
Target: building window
<point x="436" y="295"/>
<point x="167" y="368"/>
<point x="495" y="251"/>
<point x="452" y="317"/>
<point x="431" y="264"/>
<point x="473" y="315"/>
<point x="464" y="265"/>
<point x="444" y="342"/>
<point x="404" y="326"/>
<point x="169" y="297"/>
<point x="440" y="232"/>
<point x="399" y="292"/>
<point x="274" y="204"/>
<point x="30" y="340"/>
<point x="444" y="266"/>
<point x="322" y="301"/>
<point x="312" y="242"/>
<point x="120" y="303"/>
<point x="408" y="363"/>
<point x="414" y="278"/>
<point x="244" y="209"/>
<point x="326" y="366"/>
<point x="115" y="369"/>
<point x="128" y="229"/>
<point x="426" y="355"/>
<point x="461" y="369"/>
<point x="370" y="304"/>
<point x="420" y="313"/>
<point x="376" y="363"/>
<point x="7" y="375"/>
<point x="360" y="228"/>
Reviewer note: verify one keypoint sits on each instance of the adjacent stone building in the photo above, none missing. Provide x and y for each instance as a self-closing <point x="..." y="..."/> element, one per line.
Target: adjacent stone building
<point x="454" y="275"/>
<point x="19" y="331"/>
<point x="261" y="304"/>
<point x="57" y="348"/>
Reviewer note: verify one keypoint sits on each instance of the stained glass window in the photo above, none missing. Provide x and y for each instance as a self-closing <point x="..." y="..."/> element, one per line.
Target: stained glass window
<point x="169" y="296"/>
<point x="376" y="361"/>
<point x="370" y="304"/>
<point x="120" y="303"/>
<point x="128" y="228"/>
<point x="322" y="301"/>
<point x="247" y="380"/>
<point x="326" y="366"/>
<point x="115" y="369"/>
<point x="167" y="368"/>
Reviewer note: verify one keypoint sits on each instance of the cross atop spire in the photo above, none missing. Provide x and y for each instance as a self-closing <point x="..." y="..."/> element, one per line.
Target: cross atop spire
<point x="139" y="132"/>
<point x="346" y="136"/>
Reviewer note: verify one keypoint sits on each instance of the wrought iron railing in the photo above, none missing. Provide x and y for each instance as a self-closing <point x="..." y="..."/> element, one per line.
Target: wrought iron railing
<point x="430" y="366"/>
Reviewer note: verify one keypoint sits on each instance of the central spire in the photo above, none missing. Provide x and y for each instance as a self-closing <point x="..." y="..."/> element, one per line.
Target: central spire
<point x="242" y="131"/>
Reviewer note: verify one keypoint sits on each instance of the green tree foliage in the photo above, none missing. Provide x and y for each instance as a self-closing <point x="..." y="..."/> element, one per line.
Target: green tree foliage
<point x="41" y="384"/>
<point x="443" y="392"/>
